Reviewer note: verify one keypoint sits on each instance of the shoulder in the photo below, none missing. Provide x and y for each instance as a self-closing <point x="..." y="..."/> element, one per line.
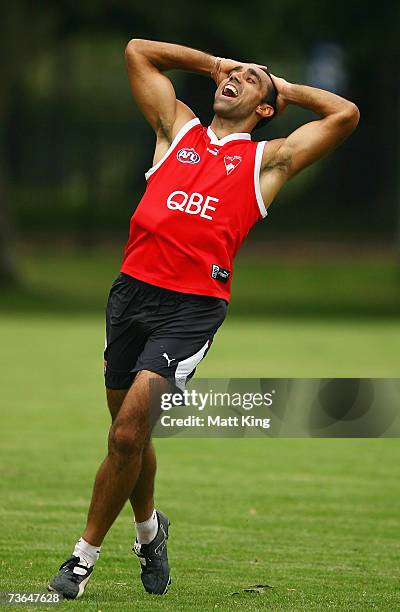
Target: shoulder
<point x="273" y="169"/>
<point x="184" y="115"/>
<point x="165" y="144"/>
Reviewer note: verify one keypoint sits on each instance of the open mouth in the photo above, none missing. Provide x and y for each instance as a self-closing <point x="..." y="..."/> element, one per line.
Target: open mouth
<point x="230" y="91"/>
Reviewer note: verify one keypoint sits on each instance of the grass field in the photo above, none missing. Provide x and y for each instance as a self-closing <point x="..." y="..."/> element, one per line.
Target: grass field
<point x="316" y="520"/>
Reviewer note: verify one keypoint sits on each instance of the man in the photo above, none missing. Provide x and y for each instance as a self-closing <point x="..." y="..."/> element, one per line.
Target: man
<point x="206" y="189"/>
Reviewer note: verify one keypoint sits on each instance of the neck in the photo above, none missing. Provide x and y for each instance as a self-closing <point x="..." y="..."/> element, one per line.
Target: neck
<point x="223" y="127"/>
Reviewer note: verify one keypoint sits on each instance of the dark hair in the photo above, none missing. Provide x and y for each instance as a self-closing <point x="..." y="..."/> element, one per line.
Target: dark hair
<point x="269" y="98"/>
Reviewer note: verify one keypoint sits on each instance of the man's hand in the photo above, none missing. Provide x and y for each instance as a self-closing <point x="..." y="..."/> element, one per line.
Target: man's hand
<point x="282" y="87"/>
<point x="223" y="67"/>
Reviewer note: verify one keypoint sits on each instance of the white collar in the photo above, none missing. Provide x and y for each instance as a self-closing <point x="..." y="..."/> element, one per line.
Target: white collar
<point x="215" y="141"/>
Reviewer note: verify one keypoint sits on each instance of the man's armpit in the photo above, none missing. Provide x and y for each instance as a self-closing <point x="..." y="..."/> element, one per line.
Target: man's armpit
<point x="164" y="131"/>
<point x="281" y="162"/>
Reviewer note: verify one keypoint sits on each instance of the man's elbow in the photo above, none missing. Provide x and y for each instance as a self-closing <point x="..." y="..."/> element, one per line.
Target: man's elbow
<point x="133" y="48"/>
<point x="350" y="115"/>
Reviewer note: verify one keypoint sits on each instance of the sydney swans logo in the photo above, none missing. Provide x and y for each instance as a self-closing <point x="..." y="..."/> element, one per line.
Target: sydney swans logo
<point x="231" y="162"/>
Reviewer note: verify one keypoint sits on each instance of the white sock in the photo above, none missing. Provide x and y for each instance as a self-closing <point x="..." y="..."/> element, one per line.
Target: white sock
<point x="147" y="531"/>
<point x="86" y="552"/>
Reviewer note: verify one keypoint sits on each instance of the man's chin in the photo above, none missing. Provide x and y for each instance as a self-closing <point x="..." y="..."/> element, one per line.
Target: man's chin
<point x="223" y="109"/>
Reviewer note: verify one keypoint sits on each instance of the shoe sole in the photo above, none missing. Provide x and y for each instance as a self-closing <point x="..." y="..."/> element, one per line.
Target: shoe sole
<point x="168" y="583"/>
<point x="169" y="579"/>
<point x="80" y="591"/>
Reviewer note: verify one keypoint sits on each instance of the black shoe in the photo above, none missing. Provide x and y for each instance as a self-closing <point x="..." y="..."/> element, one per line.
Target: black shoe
<point x="72" y="578"/>
<point x="154" y="559"/>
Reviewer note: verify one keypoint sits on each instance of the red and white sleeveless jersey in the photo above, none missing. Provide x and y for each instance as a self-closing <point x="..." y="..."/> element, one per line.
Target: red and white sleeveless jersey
<point x="201" y="200"/>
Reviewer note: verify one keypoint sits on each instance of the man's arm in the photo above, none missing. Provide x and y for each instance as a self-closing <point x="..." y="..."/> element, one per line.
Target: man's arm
<point x="287" y="156"/>
<point x="153" y="91"/>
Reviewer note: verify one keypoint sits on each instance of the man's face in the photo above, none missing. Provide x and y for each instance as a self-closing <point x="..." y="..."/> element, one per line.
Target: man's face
<point x="238" y="96"/>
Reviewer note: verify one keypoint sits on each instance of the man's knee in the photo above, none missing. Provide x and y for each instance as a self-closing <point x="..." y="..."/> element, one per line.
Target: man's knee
<point x="127" y="439"/>
<point x="130" y="431"/>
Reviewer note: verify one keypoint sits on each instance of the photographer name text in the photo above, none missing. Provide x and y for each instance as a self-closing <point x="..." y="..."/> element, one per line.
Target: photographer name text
<point x="215" y="421"/>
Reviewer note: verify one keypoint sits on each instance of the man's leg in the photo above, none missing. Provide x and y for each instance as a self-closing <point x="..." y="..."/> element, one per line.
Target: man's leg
<point x="119" y="472"/>
<point x="129" y="467"/>
<point x="151" y="526"/>
<point x="142" y="496"/>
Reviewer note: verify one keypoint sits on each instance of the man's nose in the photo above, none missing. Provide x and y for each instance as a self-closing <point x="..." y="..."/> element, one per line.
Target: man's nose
<point x="236" y="76"/>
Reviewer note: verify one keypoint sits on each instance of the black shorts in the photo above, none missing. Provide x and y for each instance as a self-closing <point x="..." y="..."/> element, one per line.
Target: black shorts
<point x="150" y="328"/>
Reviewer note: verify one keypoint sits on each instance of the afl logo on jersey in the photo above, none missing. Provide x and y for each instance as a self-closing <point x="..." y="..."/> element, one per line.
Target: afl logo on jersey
<point x="188" y="156"/>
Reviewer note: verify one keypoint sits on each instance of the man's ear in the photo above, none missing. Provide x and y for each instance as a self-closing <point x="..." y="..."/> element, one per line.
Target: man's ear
<point x="265" y="110"/>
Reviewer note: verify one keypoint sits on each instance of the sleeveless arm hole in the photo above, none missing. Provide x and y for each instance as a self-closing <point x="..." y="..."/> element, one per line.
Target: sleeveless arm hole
<point x="257" y="188"/>
<point x="184" y="130"/>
